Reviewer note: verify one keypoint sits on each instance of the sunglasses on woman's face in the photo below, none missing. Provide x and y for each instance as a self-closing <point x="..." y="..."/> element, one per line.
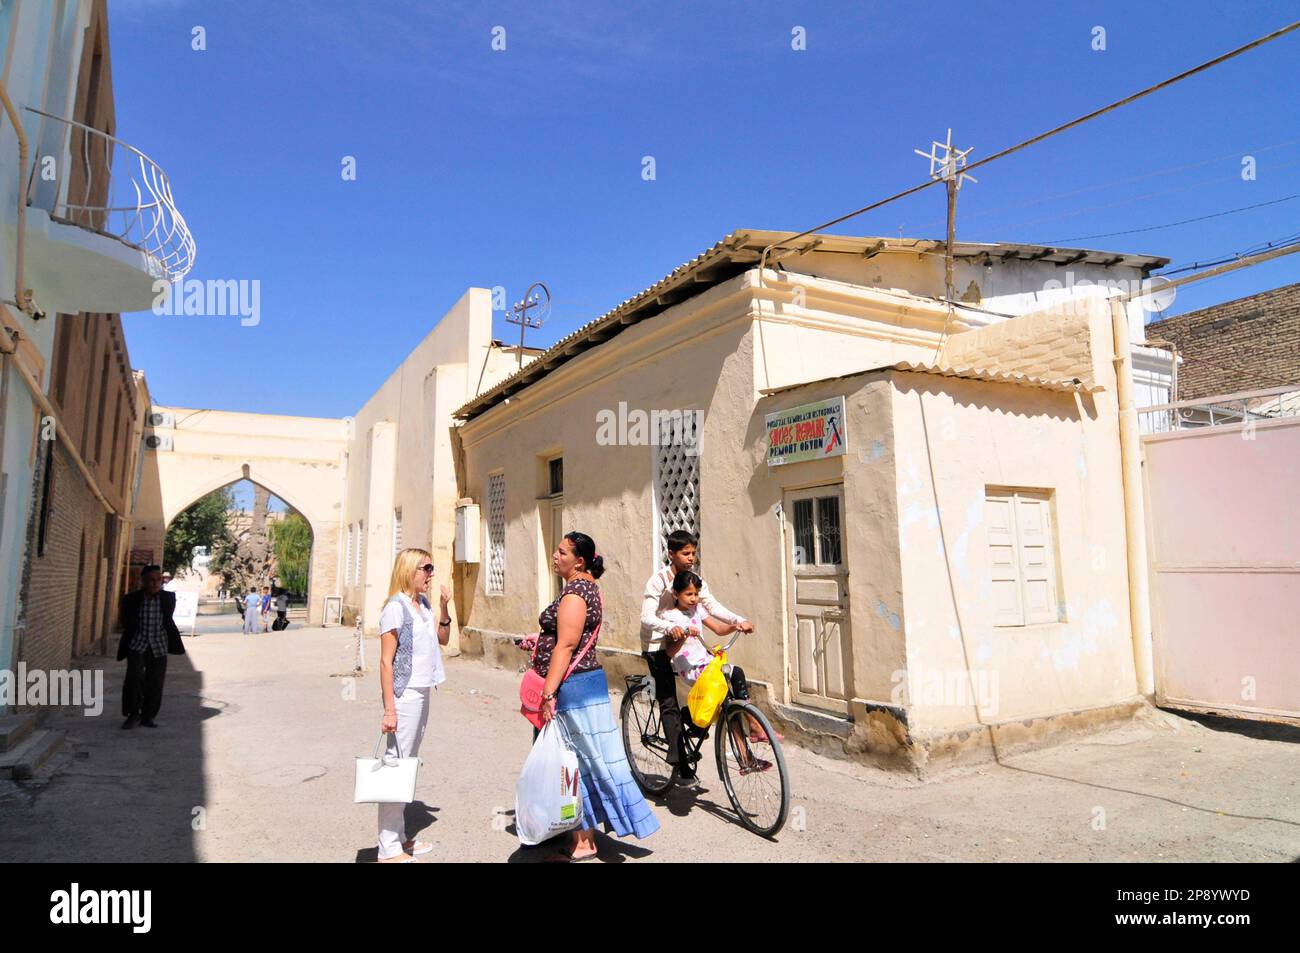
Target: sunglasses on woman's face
<point x="427" y="567"/>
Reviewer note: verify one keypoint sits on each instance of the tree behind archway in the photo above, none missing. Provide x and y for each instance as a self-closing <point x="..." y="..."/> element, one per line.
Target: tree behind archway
<point x="203" y="523"/>
<point x="291" y="543"/>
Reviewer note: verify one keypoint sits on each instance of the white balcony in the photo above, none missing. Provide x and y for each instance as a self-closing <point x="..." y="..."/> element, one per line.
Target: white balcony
<point x="102" y="225"/>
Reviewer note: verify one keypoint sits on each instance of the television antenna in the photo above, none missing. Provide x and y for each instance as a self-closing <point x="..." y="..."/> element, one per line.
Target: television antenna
<point x="531" y="312"/>
<point x="946" y="164"/>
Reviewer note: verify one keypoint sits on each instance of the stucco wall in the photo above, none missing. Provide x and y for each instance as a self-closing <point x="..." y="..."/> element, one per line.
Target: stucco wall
<point x="976" y="435"/>
<point x="702" y="361"/>
<point x="869" y="540"/>
<point x="400" y="453"/>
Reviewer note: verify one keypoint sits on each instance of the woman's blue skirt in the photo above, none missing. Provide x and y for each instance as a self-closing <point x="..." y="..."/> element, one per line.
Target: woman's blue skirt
<point x="609" y="794"/>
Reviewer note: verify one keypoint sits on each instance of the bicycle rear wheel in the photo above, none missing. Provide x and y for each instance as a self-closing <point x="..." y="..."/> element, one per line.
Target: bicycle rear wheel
<point x="753" y="772"/>
<point x="644" y="742"/>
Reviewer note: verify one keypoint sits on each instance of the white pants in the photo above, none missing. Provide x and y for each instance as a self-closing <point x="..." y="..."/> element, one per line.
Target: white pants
<point x="250" y="621"/>
<point x="412" y="715"/>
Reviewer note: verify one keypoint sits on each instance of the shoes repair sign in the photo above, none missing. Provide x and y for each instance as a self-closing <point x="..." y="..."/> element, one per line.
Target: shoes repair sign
<point x="806" y="432"/>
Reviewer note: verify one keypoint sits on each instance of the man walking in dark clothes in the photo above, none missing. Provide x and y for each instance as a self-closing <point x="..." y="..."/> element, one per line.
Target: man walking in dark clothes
<point x="148" y="636"/>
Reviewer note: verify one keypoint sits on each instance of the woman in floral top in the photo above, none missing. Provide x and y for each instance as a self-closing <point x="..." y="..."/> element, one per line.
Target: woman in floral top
<point x="581" y="701"/>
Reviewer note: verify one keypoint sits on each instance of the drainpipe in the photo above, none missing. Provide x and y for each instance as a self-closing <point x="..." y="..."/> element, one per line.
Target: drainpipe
<point x="1130" y="454"/>
<point x="1173" y="378"/>
<point x="20" y="289"/>
<point x="61" y="433"/>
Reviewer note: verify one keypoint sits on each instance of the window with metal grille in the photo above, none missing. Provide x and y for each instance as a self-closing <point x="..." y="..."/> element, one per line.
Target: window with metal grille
<point x="676" y="480"/>
<point x="1022" y="557"/>
<point x="397" y="531"/>
<point x="817" y="532"/>
<point x="496" y="533"/>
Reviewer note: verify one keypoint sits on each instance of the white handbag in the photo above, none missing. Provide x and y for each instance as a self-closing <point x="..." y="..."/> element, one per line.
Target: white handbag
<point x="385" y="779"/>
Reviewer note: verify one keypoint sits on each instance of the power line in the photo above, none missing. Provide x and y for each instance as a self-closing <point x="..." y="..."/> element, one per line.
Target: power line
<point x="1289" y="28"/>
<point x="1224" y="259"/>
<point x="1129" y="200"/>
<point x="1169" y="170"/>
<point x="1186" y="221"/>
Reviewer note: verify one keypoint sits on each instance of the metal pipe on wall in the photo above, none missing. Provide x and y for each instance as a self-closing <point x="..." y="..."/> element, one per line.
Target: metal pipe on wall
<point x="20" y="290"/>
<point x="1135" y="534"/>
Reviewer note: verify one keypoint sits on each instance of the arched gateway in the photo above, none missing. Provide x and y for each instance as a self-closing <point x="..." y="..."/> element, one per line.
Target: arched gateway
<point x="303" y="460"/>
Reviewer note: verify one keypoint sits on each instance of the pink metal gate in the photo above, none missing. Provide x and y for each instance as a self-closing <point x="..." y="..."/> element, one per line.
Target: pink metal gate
<point x="1222" y="479"/>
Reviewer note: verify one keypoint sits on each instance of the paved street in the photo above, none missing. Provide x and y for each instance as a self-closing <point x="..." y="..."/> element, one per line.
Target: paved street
<point x="253" y="762"/>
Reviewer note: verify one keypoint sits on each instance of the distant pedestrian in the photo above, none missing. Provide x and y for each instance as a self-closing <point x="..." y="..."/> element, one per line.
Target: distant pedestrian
<point x="610" y="796"/>
<point x="148" y="636"/>
<point x="282" y="609"/>
<point x="251" y="602"/>
<point x="410" y="667"/>
<point x="266" y="608"/>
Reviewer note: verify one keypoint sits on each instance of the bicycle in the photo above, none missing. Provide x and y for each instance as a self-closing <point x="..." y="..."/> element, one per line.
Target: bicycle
<point x="760" y="795"/>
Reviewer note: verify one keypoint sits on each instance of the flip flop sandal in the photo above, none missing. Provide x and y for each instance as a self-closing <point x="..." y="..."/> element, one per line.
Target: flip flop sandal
<point x="418" y="848"/>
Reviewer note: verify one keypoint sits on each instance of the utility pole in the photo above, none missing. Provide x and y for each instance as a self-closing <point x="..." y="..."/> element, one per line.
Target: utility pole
<point x="946" y="164"/>
<point x="519" y="314"/>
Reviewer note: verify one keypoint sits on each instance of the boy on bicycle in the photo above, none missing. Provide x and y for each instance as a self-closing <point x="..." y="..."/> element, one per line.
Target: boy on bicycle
<point x="657" y="633"/>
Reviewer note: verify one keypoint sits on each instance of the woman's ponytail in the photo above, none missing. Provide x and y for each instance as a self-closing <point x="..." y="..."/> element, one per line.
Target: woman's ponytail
<point x="585" y="548"/>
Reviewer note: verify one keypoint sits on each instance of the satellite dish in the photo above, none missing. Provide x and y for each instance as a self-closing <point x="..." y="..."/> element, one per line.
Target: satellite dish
<point x="1156" y="294"/>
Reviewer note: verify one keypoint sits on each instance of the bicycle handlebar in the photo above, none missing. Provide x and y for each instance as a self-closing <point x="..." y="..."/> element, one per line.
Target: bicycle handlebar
<point x="715" y="649"/>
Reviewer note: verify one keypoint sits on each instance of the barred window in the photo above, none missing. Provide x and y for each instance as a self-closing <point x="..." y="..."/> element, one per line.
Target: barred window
<point x="347" y="556"/>
<point x="397" y="531"/>
<point x="676" y="479"/>
<point x="496" y="532"/>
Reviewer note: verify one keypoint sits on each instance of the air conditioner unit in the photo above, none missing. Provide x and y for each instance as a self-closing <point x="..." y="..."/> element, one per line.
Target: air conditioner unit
<point x="158" y="441"/>
<point x="162" y="419"/>
<point x="467" y="533"/>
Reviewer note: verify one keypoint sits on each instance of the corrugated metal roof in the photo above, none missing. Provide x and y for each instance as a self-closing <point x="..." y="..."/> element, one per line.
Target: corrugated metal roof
<point x="965" y="373"/>
<point x="740" y="251"/>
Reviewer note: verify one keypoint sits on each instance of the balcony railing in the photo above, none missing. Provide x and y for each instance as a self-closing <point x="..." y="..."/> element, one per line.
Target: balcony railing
<point x="1255" y="405"/>
<point x="111" y="188"/>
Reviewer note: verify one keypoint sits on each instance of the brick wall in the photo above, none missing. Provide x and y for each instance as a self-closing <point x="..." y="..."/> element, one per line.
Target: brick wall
<point x="1252" y="343"/>
<point x="71" y="582"/>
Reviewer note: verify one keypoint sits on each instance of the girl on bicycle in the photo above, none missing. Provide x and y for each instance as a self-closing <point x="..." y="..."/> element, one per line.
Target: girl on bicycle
<point x="690" y="655"/>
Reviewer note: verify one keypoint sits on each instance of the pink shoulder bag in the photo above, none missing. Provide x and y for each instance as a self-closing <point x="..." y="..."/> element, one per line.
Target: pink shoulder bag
<point x="532" y="687"/>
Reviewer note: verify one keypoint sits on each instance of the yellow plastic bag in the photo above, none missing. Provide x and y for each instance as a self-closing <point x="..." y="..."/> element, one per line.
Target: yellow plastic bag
<point x="708" y="692"/>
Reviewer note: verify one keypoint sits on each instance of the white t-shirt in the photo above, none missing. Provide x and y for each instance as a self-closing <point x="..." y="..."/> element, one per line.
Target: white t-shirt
<point x="426" y="654"/>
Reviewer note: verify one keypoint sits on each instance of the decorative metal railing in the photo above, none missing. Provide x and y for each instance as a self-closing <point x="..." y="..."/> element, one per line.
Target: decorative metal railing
<point x="1271" y="404"/>
<point x="85" y="177"/>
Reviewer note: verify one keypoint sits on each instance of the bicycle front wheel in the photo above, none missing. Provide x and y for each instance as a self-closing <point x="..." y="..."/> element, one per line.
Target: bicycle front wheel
<point x="644" y="741"/>
<point x="752" y="770"/>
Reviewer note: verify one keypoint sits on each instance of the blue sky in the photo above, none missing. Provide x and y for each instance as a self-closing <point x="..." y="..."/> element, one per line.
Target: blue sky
<point x="477" y="167"/>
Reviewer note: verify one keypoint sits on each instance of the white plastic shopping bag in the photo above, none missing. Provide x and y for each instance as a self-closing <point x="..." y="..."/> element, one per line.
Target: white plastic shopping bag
<point x="548" y="798"/>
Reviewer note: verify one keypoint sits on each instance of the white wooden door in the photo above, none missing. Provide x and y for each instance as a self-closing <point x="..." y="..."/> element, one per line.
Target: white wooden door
<point x="821" y="663"/>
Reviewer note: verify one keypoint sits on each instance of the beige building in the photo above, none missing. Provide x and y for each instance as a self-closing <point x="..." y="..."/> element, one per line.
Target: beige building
<point x="954" y="573"/>
<point x="401" y="477"/>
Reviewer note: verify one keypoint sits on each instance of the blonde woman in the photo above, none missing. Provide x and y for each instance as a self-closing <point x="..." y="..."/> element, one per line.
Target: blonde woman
<point x="410" y="667"/>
